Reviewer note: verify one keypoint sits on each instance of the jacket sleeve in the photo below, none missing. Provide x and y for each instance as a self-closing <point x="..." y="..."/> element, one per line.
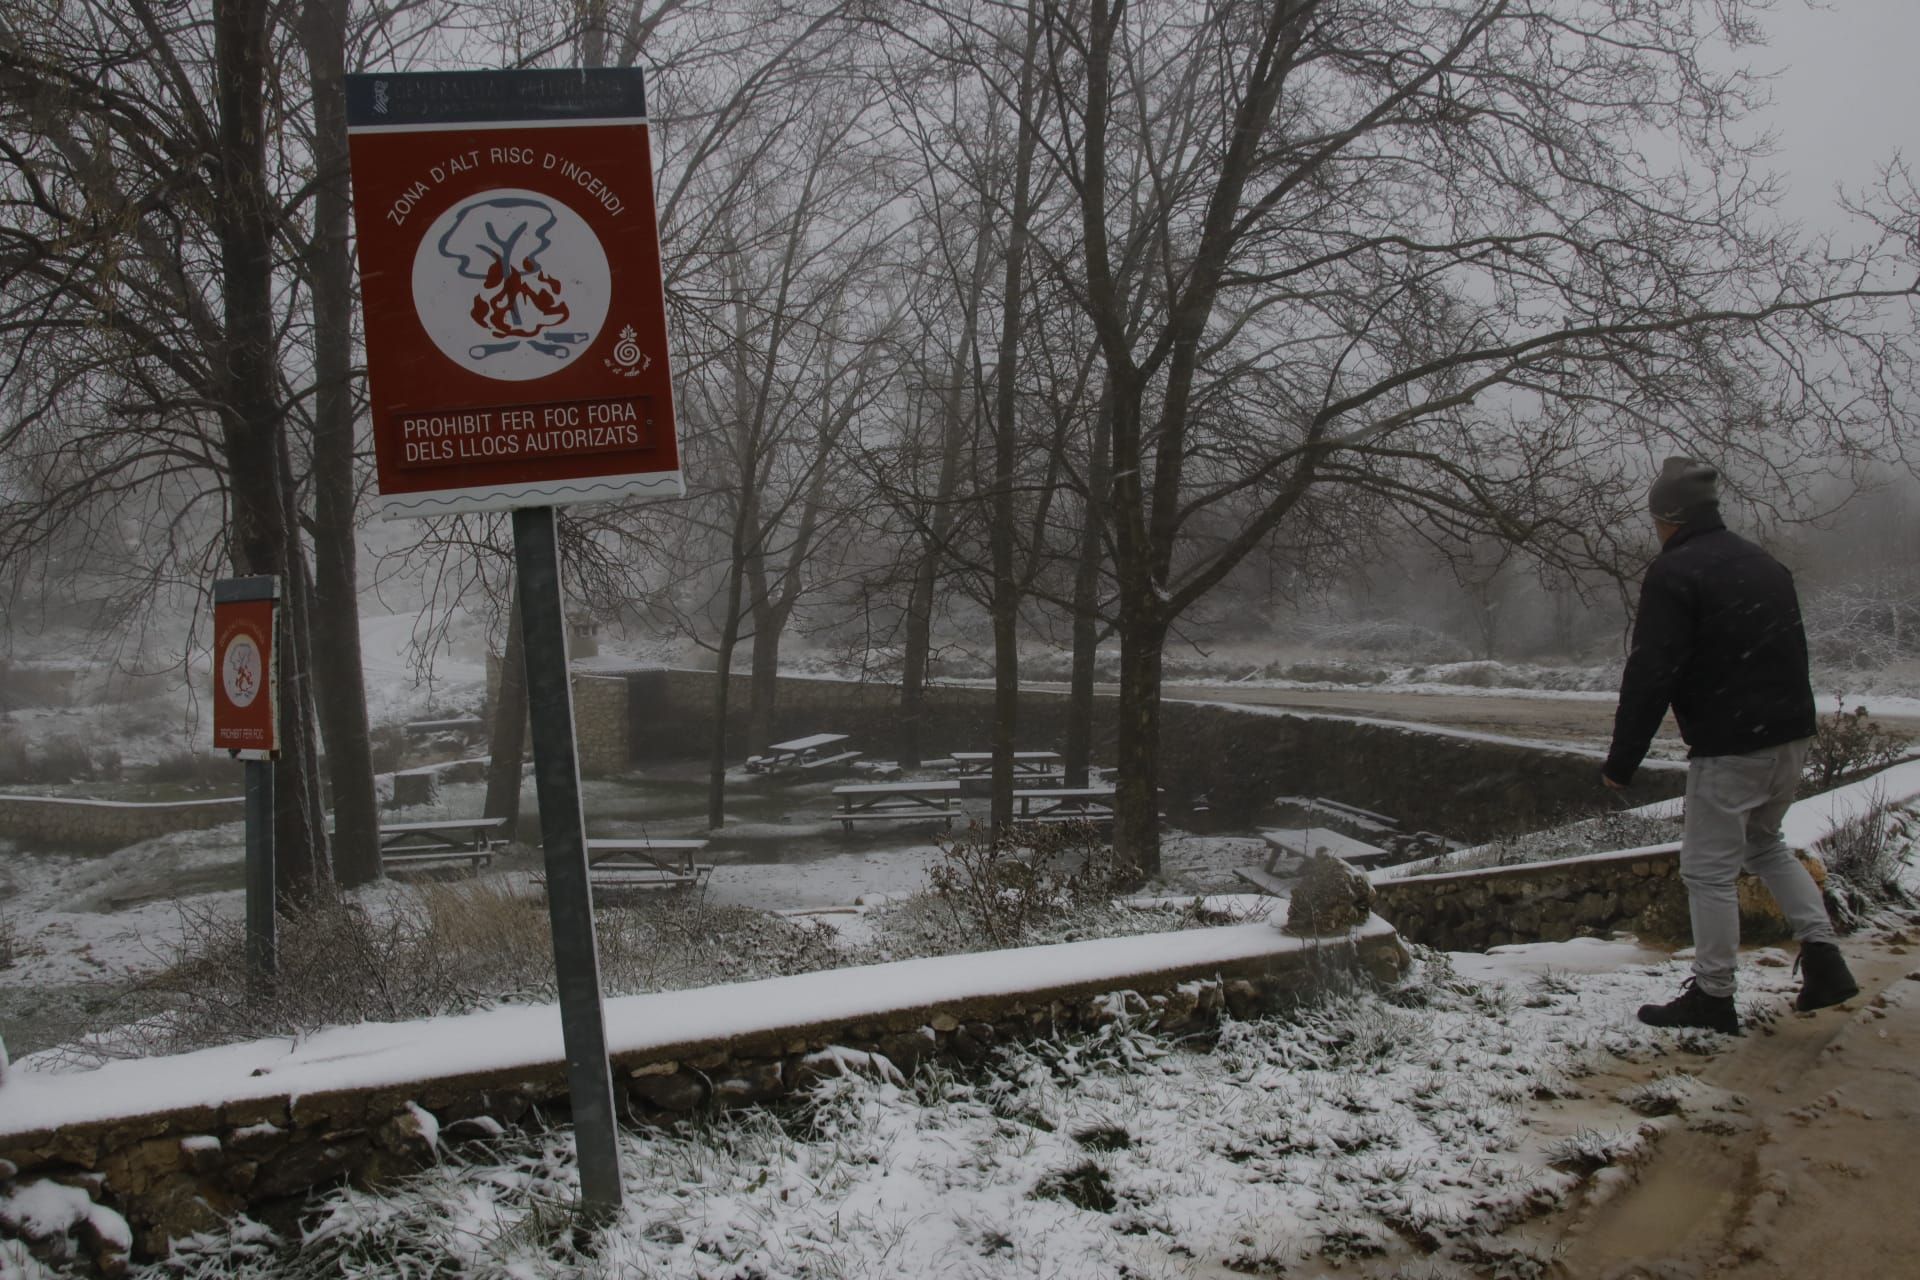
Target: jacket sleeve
<point x="1662" y="641"/>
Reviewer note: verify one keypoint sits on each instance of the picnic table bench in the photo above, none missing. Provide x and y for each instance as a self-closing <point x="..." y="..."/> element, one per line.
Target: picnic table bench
<point x="897" y="802"/>
<point x="645" y="863"/>
<point x="1026" y="764"/>
<point x="800" y="754"/>
<point x="440" y="840"/>
<point x="1064" y="804"/>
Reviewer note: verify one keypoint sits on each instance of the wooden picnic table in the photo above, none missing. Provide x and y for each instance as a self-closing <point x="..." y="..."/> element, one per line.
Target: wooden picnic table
<point x="811" y="752"/>
<point x="898" y="802"/>
<point x="1064" y="804"/>
<point x="1026" y="764"/>
<point x="440" y="840"/>
<point x="645" y="862"/>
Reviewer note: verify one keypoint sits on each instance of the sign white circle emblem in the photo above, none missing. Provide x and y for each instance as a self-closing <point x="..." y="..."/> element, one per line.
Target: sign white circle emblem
<point x="511" y="284"/>
<point x="241" y="670"/>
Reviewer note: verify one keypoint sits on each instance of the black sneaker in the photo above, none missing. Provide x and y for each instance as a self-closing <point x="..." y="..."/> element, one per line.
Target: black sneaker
<point x="1828" y="980"/>
<point x="1694" y="1008"/>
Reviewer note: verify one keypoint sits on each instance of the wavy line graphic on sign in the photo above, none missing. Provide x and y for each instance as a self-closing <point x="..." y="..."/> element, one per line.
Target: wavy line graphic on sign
<point x="496" y="277"/>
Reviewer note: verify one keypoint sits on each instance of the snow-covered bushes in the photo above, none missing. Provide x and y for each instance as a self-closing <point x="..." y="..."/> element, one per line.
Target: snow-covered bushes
<point x="1865" y="858"/>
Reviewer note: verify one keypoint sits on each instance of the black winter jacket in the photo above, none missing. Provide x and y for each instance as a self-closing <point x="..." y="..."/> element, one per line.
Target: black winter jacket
<point x="1719" y="639"/>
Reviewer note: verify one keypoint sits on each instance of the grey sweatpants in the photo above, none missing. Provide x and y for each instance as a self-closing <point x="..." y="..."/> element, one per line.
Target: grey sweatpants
<point x="1734" y="808"/>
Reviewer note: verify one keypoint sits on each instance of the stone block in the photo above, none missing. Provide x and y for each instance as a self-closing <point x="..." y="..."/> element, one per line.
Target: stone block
<point x="307" y="1162"/>
<point x="748" y="1083"/>
<point x="907" y="1049"/>
<point x="679" y="1091"/>
<point x="1329" y="897"/>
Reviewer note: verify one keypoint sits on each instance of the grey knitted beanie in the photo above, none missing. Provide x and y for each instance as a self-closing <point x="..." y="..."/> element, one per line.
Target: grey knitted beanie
<point x="1684" y="485"/>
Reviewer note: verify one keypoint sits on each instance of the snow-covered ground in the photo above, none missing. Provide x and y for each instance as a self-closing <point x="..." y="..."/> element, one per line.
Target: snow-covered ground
<point x="1362" y="1133"/>
<point x="1434" y="1115"/>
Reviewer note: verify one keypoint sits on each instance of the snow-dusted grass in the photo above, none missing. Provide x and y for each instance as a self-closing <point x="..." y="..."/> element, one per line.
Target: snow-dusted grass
<point x="1369" y="1123"/>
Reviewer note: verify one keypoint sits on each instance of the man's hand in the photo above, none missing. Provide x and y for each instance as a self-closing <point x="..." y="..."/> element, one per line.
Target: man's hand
<point x="1611" y="784"/>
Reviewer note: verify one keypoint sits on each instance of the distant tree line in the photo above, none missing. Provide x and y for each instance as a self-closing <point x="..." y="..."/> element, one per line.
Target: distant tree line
<point x="1079" y="318"/>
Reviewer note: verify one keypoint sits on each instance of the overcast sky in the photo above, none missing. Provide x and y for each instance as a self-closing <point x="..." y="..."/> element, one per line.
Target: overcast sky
<point x="1846" y="98"/>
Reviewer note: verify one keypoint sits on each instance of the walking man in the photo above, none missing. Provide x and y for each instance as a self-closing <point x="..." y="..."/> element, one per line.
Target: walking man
<point x="1718" y="638"/>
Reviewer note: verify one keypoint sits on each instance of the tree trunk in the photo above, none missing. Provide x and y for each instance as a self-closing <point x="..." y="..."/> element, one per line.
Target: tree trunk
<point x="507" y="742"/>
<point x="1086" y="600"/>
<point x="915" y="657"/>
<point x="926" y="573"/>
<point x="338" y="670"/>
<point x="764" y="685"/>
<point x="1136" y="822"/>
<point x="722" y="686"/>
<point x="1006" y="589"/>
<point x="253" y="425"/>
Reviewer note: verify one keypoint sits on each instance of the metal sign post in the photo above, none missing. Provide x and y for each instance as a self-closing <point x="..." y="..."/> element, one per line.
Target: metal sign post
<point x="517" y="360"/>
<point x="556" y="776"/>
<point x="246" y="724"/>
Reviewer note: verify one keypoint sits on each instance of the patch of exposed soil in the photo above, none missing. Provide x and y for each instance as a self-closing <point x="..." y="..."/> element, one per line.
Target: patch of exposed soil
<point x="1803" y="1172"/>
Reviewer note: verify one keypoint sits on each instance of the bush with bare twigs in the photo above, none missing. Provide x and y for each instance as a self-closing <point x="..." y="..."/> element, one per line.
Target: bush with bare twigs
<point x="1846" y="743"/>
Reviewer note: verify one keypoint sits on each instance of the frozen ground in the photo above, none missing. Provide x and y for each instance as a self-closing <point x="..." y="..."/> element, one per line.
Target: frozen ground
<point x="1357" y="1137"/>
<point x="1397" y="1135"/>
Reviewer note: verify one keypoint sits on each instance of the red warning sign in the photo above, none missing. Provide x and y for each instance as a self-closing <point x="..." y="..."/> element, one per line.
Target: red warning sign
<point x="510" y="276"/>
<point x="246" y="694"/>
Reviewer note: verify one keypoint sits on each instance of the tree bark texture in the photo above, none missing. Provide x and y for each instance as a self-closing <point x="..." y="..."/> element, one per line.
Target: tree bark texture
<point x="507" y="740"/>
<point x="338" y="667"/>
<point x="253" y="425"/>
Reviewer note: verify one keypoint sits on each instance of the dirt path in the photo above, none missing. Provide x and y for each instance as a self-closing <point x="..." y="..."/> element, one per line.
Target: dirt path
<point x="1804" y="1172"/>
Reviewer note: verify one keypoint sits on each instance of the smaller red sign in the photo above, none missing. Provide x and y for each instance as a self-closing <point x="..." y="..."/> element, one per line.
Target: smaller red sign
<point x="245" y="697"/>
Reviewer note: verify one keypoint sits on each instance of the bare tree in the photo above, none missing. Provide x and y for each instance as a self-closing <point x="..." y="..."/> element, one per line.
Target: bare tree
<point x="140" y="276"/>
<point x="1425" y="251"/>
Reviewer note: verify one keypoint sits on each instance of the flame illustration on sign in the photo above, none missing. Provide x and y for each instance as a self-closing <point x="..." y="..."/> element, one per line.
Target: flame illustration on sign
<point x="500" y="241"/>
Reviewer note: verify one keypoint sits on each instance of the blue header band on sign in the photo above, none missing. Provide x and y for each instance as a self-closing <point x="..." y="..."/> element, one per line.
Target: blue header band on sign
<point x="494" y="97"/>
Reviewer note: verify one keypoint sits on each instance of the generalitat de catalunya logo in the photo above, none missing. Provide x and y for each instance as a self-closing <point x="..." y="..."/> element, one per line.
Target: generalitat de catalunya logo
<point x="511" y="284"/>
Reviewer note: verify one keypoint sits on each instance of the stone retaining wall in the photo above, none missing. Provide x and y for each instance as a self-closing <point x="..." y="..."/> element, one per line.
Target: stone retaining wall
<point x="109" y="824"/>
<point x="1469" y="786"/>
<point x="1637" y="891"/>
<point x="182" y="1170"/>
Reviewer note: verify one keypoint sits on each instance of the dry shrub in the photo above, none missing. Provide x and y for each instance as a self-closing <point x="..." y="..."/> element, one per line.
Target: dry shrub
<point x="61" y="758"/>
<point x="502" y="937"/>
<point x="339" y="963"/>
<point x="1863" y="858"/>
<point x="1846" y="743"/>
<point x="441" y="948"/>
<point x="1004" y="888"/>
<point x="186" y="766"/>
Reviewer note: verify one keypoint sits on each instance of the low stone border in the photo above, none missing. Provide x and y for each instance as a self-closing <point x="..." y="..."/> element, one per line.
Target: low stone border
<point x="110" y="824"/>
<point x="177" y="1144"/>
<point x="1637" y="890"/>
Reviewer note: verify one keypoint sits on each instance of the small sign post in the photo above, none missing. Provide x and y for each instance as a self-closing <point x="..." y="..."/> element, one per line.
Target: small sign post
<point x="246" y="724"/>
<point x="517" y="361"/>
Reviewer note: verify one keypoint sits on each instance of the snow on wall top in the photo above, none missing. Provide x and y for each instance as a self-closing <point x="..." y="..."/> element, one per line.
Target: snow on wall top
<point x="388" y="1055"/>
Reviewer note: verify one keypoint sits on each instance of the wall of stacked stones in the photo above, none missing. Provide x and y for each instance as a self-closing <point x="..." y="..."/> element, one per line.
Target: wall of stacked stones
<point x="182" y="1171"/>
<point x="108" y="824"/>
<point x="1637" y="891"/>
<point x="1540" y="902"/>
<point x="1466" y="787"/>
